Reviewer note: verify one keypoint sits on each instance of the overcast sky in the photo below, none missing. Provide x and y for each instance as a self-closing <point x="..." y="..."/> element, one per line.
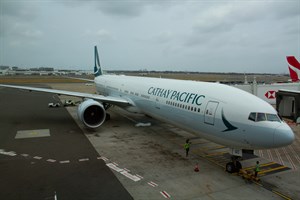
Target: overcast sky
<point x="206" y="36"/>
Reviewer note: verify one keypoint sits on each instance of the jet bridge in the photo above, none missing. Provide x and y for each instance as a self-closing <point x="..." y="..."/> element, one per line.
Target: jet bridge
<point x="288" y="104"/>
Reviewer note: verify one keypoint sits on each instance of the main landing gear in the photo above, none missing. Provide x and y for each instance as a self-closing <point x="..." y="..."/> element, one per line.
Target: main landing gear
<point x="106" y="107"/>
<point x="234" y="165"/>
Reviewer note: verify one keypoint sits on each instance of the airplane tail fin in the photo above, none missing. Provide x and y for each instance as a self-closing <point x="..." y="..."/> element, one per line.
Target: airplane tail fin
<point x="294" y="68"/>
<point x="97" y="67"/>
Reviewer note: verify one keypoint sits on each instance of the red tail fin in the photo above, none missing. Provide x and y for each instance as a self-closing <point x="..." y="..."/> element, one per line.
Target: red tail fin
<point x="294" y="68"/>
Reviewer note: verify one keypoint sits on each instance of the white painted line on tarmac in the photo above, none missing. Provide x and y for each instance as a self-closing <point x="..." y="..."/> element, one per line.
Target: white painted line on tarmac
<point x="104" y="158"/>
<point x="10" y="153"/>
<point x="83" y="159"/>
<point x="165" y="194"/>
<point x="152" y="184"/>
<point x="114" y="167"/>
<point x="270" y="155"/>
<point x="279" y="157"/>
<point x="294" y="153"/>
<point x="142" y="124"/>
<point x="51" y="160"/>
<point x="126" y="169"/>
<point x="64" y="161"/>
<point x="290" y="159"/>
<point x="297" y="157"/>
<point x="260" y="153"/>
<point x="130" y="176"/>
<point x="123" y="172"/>
<point x="139" y="176"/>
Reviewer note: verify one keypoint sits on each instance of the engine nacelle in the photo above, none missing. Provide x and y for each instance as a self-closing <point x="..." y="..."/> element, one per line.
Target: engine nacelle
<point x="91" y="113"/>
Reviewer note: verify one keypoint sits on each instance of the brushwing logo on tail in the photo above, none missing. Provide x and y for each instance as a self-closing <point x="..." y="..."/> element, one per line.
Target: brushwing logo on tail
<point x="97" y="67"/>
<point x="228" y="125"/>
<point x="294" y="68"/>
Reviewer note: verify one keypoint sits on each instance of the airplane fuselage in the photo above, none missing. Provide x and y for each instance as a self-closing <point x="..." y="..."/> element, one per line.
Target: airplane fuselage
<point x="216" y="112"/>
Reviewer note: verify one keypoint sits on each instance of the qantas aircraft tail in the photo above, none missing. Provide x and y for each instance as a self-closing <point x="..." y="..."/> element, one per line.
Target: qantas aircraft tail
<point x="294" y="68"/>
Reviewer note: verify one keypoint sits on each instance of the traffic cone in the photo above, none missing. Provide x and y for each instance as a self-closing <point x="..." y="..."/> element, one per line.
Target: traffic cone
<point x="196" y="168"/>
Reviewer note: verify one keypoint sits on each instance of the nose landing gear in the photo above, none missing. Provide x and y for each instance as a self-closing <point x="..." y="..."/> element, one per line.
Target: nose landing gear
<point x="234" y="165"/>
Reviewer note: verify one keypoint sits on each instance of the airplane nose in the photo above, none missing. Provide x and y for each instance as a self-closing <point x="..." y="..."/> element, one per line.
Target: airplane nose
<point x="283" y="136"/>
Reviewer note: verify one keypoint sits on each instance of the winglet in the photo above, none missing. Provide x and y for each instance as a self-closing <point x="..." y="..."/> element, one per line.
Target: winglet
<point x="294" y="68"/>
<point x="97" y="67"/>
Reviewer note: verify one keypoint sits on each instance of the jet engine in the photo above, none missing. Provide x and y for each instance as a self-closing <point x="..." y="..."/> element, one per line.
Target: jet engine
<point x="91" y="113"/>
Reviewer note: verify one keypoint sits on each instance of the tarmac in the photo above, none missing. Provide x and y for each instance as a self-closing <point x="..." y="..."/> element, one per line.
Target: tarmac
<point x="145" y="155"/>
<point x="156" y="153"/>
<point x="45" y="155"/>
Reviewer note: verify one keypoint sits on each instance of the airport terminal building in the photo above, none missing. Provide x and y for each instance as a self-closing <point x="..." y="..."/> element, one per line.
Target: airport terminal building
<point x="285" y="96"/>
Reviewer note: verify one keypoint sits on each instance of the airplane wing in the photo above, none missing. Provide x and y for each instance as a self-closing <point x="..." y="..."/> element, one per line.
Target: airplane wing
<point x="101" y="98"/>
<point x="82" y="79"/>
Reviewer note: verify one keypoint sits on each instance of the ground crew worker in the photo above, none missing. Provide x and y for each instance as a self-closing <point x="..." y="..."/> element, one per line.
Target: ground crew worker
<point x="187" y="147"/>
<point x="257" y="168"/>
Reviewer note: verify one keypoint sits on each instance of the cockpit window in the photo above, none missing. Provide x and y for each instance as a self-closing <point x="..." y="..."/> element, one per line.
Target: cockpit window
<point x="273" y="118"/>
<point x="261" y="117"/>
<point x="258" y="117"/>
<point x="252" y="117"/>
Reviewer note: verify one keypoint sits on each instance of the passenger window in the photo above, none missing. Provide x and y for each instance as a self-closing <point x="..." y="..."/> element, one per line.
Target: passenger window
<point x="252" y="117"/>
<point x="261" y="117"/>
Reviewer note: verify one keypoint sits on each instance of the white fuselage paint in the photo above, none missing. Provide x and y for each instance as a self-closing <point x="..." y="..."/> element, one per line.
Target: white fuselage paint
<point x="197" y="107"/>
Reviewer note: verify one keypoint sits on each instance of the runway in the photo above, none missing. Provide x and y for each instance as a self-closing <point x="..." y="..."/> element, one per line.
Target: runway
<point x="62" y="164"/>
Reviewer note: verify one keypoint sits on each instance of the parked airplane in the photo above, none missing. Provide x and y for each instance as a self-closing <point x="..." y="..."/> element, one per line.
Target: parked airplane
<point x="294" y="68"/>
<point x="217" y="112"/>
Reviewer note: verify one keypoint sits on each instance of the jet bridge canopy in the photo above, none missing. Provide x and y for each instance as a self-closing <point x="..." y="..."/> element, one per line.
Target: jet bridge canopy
<point x="288" y="104"/>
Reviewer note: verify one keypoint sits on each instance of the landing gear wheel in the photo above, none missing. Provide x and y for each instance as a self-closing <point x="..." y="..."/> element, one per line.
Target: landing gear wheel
<point x="230" y="168"/>
<point x="234" y="166"/>
<point x="238" y="166"/>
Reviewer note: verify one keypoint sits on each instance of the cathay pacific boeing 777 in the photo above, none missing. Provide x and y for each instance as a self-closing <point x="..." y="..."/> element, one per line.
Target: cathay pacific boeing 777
<point x="217" y="112"/>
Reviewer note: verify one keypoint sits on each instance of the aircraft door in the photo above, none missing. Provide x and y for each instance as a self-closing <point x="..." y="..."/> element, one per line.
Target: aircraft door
<point x="157" y="104"/>
<point x="210" y="112"/>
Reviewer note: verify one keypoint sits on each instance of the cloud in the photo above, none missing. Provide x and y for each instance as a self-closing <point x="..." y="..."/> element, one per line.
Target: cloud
<point x="19" y="10"/>
<point x="101" y="34"/>
<point x="154" y="34"/>
<point x="30" y="33"/>
<point x="232" y="23"/>
<point x="17" y="23"/>
<point x="121" y="9"/>
<point x="285" y="9"/>
<point x="162" y="37"/>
